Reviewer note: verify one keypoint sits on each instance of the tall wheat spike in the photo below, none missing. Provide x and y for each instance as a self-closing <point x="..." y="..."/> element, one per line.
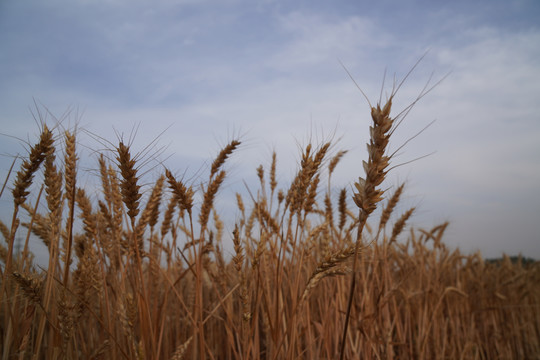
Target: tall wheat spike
<point x="368" y="193"/>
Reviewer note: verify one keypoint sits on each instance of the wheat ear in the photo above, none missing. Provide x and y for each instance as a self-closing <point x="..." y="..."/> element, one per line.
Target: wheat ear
<point x="400" y="224"/>
<point x="389" y="208"/>
<point x="129" y="187"/>
<point x="222" y="157"/>
<point x="38" y="153"/>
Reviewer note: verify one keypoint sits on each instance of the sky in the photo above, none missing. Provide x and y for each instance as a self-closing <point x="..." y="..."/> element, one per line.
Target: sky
<point x="195" y="74"/>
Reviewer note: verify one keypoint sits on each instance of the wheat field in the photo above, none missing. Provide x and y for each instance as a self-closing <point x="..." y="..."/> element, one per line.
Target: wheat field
<point x="140" y="271"/>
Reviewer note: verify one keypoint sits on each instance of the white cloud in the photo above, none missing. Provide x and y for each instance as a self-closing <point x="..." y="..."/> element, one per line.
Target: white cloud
<point x="208" y="70"/>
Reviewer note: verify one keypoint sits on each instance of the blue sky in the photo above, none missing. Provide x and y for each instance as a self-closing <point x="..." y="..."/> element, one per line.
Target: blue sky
<point x="207" y="70"/>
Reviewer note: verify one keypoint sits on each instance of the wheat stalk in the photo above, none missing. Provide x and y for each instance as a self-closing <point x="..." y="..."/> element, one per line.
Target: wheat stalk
<point x="37" y="155"/>
<point x="70" y="172"/>
<point x="367" y="193"/>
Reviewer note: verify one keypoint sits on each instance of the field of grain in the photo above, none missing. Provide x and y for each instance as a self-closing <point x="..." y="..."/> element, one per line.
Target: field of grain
<point x="312" y="276"/>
